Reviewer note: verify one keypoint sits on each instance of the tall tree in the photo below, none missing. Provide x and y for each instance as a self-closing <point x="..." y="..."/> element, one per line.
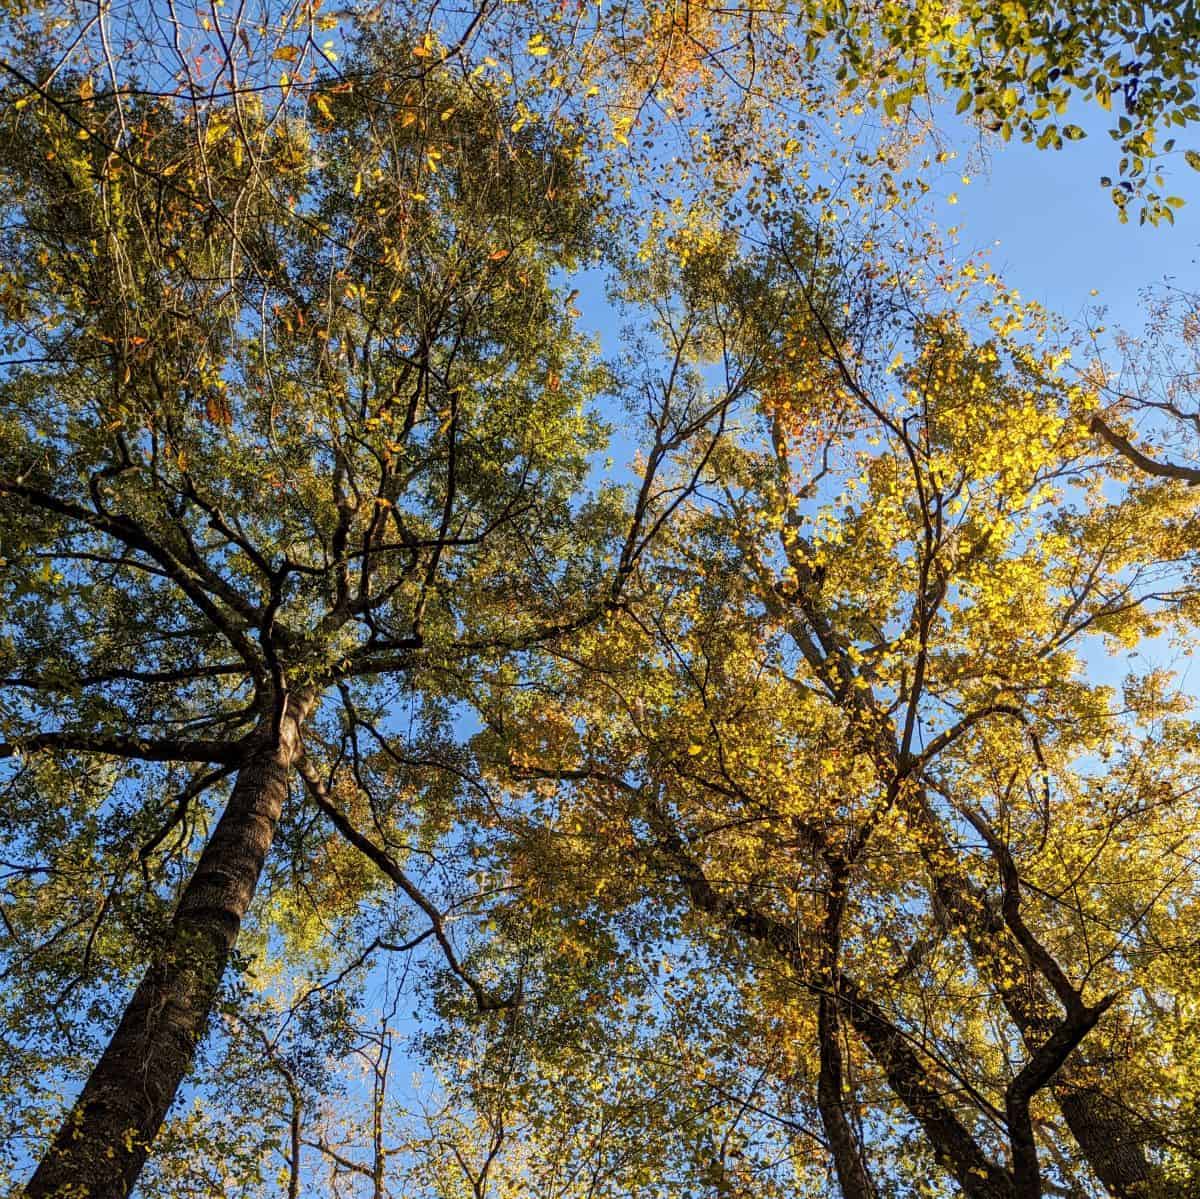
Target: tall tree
<point x="297" y="440"/>
<point x="296" y="408"/>
<point x="862" y="730"/>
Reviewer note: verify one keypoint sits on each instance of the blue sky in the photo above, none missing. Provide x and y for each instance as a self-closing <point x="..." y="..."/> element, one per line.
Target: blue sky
<point x="1057" y="231"/>
<point x="1052" y="231"/>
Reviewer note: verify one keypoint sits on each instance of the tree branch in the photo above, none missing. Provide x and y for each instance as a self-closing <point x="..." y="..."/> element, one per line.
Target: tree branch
<point x="1163" y="470"/>
<point x="388" y="866"/>
<point x="162" y="749"/>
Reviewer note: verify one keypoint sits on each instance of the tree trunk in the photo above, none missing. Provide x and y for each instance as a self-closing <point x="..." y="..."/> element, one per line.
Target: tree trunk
<point x="102" y="1145"/>
<point x="1108" y="1137"/>
<point x="848" y="1161"/>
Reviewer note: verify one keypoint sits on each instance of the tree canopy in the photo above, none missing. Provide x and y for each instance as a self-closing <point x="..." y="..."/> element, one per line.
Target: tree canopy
<point x="737" y="755"/>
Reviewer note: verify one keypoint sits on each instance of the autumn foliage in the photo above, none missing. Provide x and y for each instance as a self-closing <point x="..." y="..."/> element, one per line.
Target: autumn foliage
<point x="560" y="637"/>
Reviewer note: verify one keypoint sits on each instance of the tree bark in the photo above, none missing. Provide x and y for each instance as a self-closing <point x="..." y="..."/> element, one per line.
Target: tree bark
<point x="102" y="1145"/>
<point x="1114" y="1148"/>
<point x="848" y="1161"/>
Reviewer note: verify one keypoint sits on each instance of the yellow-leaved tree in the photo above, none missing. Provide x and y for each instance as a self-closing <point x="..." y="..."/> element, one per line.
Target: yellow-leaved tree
<point x="767" y="805"/>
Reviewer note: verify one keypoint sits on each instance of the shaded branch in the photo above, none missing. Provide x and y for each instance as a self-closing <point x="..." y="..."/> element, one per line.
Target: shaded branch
<point x="162" y="749"/>
<point x="1163" y="470"/>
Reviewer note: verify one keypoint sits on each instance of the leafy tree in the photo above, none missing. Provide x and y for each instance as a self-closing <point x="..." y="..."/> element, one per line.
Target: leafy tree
<point x="292" y="413"/>
<point x="794" y="77"/>
<point x="1016" y="69"/>
<point x="846" y="724"/>
<point x="797" y="833"/>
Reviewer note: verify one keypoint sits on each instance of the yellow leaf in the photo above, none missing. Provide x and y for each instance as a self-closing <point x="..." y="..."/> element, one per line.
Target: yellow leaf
<point x="286" y="54"/>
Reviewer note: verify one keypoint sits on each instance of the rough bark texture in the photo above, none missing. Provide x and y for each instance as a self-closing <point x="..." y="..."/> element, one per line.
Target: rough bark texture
<point x="1114" y="1149"/>
<point x="102" y="1145"/>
